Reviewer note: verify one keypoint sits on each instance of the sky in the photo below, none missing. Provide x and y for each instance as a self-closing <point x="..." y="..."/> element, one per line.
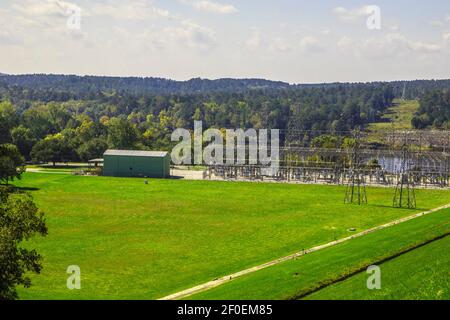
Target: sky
<point x="286" y="40"/>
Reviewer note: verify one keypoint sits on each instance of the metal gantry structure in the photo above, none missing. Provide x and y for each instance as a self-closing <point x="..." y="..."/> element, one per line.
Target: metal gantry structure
<point x="356" y="186"/>
<point x="404" y="159"/>
<point x="405" y="196"/>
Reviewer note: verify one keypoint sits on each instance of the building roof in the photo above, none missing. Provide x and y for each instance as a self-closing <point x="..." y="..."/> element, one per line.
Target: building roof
<point x="136" y="153"/>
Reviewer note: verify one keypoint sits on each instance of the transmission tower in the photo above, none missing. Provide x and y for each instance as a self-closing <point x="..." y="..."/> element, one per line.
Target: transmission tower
<point x="356" y="186"/>
<point x="404" y="92"/>
<point x="405" y="196"/>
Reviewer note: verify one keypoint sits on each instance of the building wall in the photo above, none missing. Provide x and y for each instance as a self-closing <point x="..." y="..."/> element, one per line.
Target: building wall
<point x="130" y="166"/>
<point x="167" y="161"/>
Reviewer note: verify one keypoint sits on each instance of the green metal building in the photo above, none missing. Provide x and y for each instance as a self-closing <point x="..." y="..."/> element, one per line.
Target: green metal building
<point x="130" y="163"/>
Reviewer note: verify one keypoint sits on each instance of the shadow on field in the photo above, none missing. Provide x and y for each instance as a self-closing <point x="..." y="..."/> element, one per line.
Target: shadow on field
<point x="25" y="189"/>
<point x="176" y="177"/>
<point x="387" y="206"/>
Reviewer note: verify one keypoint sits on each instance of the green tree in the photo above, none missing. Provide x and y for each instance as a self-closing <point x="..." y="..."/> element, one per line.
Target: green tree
<point x="23" y="138"/>
<point x="92" y="149"/>
<point x="351" y="114"/>
<point x="20" y="219"/>
<point x="11" y="163"/>
<point x="53" y="149"/>
<point x="89" y="129"/>
<point x="38" y="120"/>
<point x="325" y="141"/>
<point x="59" y="116"/>
<point x="121" y="134"/>
<point x="8" y="120"/>
<point x="348" y="143"/>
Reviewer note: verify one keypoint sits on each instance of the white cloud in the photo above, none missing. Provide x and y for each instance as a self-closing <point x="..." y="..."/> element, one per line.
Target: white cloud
<point x="171" y="44"/>
<point x="394" y="27"/>
<point x="310" y="44"/>
<point x="49" y="19"/>
<point x="344" y="43"/>
<point x="446" y="36"/>
<point x="121" y="10"/>
<point x="7" y="38"/>
<point x="261" y="41"/>
<point x="439" y="22"/>
<point x="387" y="46"/>
<point x="192" y="35"/>
<point x="424" y="47"/>
<point x="46" y="8"/>
<point x="436" y="23"/>
<point x="280" y="44"/>
<point x="211" y="6"/>
<point x="14" y="27"/>
<point x="256" y="39"/>
<point x="288" y="42"/>
<point x="351" y="15"/>
<point x="27" y="22"/>
<point x="151" y="38"/>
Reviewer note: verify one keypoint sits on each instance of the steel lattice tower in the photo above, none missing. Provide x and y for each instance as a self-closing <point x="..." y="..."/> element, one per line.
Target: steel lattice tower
<point x="405" y="196"/>
<point x="356" y="187"/>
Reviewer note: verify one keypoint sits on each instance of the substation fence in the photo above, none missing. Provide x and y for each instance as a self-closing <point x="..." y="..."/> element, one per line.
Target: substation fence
<point x="405" y="160"/>
<point x="324" y="175"/>
<point x="415" y="157"/>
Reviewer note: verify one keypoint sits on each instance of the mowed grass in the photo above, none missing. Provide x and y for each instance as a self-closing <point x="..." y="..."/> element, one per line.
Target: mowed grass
<point x="398" y="117"/>
<point x="419" y="274"/>
<point x="422" y="274"/>
<point x="137" y="241"/>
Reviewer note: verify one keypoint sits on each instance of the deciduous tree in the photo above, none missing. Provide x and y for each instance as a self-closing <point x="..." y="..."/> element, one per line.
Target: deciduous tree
<point x="20" y="219"/>
<point x="11" y="163"/>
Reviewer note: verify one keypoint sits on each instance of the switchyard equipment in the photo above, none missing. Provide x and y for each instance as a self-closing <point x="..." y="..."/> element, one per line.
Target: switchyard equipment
<point x="380" y="156"/>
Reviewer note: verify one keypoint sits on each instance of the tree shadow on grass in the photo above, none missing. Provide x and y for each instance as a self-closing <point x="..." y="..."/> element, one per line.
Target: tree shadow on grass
<point x="391" y="206"/>
<point x="25" y="189"/>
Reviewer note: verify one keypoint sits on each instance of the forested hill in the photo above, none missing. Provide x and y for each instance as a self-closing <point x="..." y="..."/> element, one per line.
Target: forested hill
<point x="71" y="118"/>
<point x="82" y="86"/>
<point x="135" y="85"/>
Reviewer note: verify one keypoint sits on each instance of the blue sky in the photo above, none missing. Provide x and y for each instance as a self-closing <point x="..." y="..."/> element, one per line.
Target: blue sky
<point x="293" y="41"/>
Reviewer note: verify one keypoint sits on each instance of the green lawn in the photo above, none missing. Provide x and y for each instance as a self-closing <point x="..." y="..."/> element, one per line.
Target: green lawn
<point x="398" y="117"/>
<point x="137" y="241"/>
<point x="423" y="273"/>
<point x="298" y="278"/>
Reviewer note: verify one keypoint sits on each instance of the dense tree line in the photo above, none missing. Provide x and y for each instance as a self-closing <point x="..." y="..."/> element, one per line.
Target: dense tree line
<point x="434" y="110"/>
<point x="73" y="127"/>
<point x="71" y="86"/>
<point x="416" y="89"/>
<point x="77" y="85"/>
<point x="69" y="118"/>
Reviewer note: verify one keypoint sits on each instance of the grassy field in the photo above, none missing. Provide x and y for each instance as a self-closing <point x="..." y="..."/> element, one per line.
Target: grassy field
<point x="137" y="241"/>
<point x="298" y="278"/>
<point x="398" y="117"/>
<point x="423" y="273"/>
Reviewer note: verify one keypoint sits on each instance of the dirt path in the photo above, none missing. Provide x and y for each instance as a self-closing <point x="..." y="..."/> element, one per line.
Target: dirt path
<point x="46" y="171"/>
<point x="222" y="280"/>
